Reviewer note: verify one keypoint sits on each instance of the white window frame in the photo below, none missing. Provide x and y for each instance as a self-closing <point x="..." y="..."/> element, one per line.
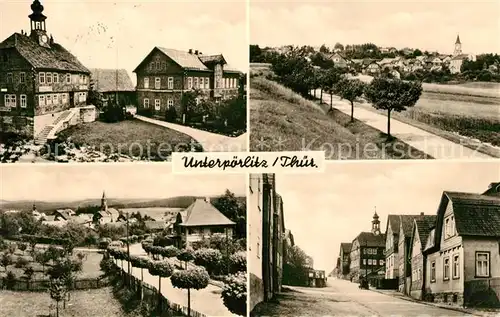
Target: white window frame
<point x="41" y="100"/>
<point x="55" y="78"/>
<point x="195" y="83"/>
<point x="10" y="100"/>
<point x="10" y="78"/>
<point x="456" y="266"/>
<point x="446" y="269"/>
<point x="370" y="262"/>
<point x="41" y="78"/>
<point x="157" y="82"/>
<point x="55" y="99"/>
<point x="146" y="102"/>
<point x="23" y="101"/>
<point x="170" y="83"/>
<point x="170" y="102"/>
<point x="190" y="83"/>
<point x="64" y="98"/>
<point x="487" y="263"/>
<point x="22" y="77"/>
<point x="48" y="99"/>
<point x="433" y="271"/>
<point x="68" y="78"/>
<point x="157" y="104"/>
<point x="146" y="82"/>
<point x="207" y="82"/>
<point x="364" y="261"/>
<point x="48" y="78"/>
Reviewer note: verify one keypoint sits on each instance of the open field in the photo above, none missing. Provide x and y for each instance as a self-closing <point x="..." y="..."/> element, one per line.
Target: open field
<point x="130" y="137"/>
<point x="281" y="120"/>
<point x="92" y="303"/>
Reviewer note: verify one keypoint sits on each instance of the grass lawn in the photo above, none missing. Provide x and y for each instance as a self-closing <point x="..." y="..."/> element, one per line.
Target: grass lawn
<point x="130" y="137"/>
<point x="90" y="266"/>
<point x="281" y="120"/>
<point x="92" y="303"/>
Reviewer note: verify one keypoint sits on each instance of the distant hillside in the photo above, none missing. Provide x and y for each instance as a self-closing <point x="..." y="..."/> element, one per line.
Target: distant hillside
<point x="48" y="207"/>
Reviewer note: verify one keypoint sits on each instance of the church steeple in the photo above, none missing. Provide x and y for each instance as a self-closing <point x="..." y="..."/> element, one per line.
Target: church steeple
<point x="458" y="46"/>
<point x="375" y="224"/>
<point x="38" y="27"/>
<point x="104" y="202"/>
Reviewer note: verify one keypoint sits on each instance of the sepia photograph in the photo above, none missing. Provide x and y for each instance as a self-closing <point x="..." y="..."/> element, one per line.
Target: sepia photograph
<point x="115" y="240"/>
<point x="118" y="81"/>
<point x="376" y="79"/>
<point x="376" y="239"/>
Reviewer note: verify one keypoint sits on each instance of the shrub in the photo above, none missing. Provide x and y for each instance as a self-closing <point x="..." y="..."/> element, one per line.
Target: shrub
<point x="192" y="278"/>
<point x="234" y="294"/>
<point x="169" y="251"/>
<point x="238" y="262"/>
<point x="171" y="115"/>
<point x="113" y="113"/>
<point x="186" y="255"/>
<point x="160" y="268"/>
<point x="208" y="258"/>
<point x="10" y="280"/>
<point x="21" y="262"/>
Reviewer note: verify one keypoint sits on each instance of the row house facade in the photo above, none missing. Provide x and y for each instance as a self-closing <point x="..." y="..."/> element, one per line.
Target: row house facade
<point x="343" y="261"/>
<point x="462" y="250"/>
<point x="267" y="238"/>
<point x="367" y="258"/>
<point x="166" y="74"/>
<point x="37" y="77"/>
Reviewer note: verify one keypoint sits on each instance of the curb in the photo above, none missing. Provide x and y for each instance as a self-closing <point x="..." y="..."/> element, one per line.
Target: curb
<point x="457" y="309"/>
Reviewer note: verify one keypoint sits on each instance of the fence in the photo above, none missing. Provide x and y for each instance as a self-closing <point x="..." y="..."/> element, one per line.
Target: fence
<point x="482" y="293"/>
<point x="43" y="285"/>
<point x="151" y="297"/>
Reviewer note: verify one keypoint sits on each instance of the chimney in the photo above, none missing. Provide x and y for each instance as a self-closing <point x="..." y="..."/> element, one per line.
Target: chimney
<point x="421" y="214"/>
<point x="190" y="51"/>
<point x="196" y="52"/>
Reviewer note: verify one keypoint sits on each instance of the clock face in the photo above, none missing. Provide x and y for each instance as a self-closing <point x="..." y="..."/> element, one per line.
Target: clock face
<point x="44" y="38"/>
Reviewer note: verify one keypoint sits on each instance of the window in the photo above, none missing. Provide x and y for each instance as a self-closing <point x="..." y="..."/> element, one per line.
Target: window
<point x="170" y="103"/>
<point x="10" y="101"/>
<point x="68" y="78"/>
<point x="419" y="274"/>
<point x="482" y="264"/>
<point x="433" y="271"/>
<point x="146" y="103"/>
<point x="190" y="82"/>
<point x="164" y="65"/>
<point x="55" y="99"/>
<point x="48" y="78"/>
<point x="146" y="82"/>
<point x="449" y="227"/>
<point x="370" y="262"/>
<point x="364" y="261"/>
<point x="207" y="83"/>
<point x="157" y="82"/>
<point x="42" y="78"/>
<point x="157" y="104"/>
<point x="49" y="99"/>
<point x="64" y="98"/>
<point x="170" y="83"/>
<point x="9" y="78"/>
<point x="196" y="82"/>
<point x="22" y="77"/>
<point x="381" y="262"/>
<point x="41" y="100"/>
<point x="56" y="78"/>
<point x="158" y="65"/>
<point x="23" y="101"/>
<point x="456" y="266"/>
<point x="446" y="269"/>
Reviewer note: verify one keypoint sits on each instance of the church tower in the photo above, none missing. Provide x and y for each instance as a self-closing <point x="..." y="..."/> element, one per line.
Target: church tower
<point x="375" y="224"/>
<point x="104" y="202"/>
<point x="38" y="28"/>
<point x="458" y="47"/>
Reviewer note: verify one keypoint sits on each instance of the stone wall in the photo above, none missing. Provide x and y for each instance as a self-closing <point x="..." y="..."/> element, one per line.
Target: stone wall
<point x="451" y="298"/>
<point x="18" y="124"/>
<point x="256" y="291"/>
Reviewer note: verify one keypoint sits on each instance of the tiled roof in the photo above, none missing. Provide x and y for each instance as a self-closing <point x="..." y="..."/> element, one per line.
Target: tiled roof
<point x="346" y="247"/>
<point x="212" y="58"/>
<point x="202" y="213"/>
<point x="368" y="239"/>
<point x="184" y="59"/>
<point x="493" y="189"/>
<point x="424" y="227"/>
<point x="476" y="215"/>
<point x="460" y="57"/>
<point x="109" y="80"/>
<point x="56" y="57"/>
<point x="394" y="221"/>
<point x="407" y="223"/>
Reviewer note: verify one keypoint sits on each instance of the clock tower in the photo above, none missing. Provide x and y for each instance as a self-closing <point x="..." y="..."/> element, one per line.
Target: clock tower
<point x="37" y="20"/>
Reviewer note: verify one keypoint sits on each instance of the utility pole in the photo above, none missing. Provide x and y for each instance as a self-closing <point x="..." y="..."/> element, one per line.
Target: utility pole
<point x="128" y="248"/>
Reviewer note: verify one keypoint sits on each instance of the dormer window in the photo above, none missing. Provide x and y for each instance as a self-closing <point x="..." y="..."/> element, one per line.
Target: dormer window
<point x="449" y="227"/>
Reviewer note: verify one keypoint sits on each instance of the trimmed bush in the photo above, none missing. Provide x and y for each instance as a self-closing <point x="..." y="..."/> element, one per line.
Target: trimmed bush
<point x="238" y="262"/>
<point x="234" y="294"/>
<point x="192" y="278"/>
<point x="169" y="251"/>
<point x="208" y="258"/>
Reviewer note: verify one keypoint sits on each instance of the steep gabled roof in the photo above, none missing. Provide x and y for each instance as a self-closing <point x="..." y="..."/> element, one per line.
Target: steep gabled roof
<point x="56" y="57"/>
<point x="368" y="239"/>
<point x="394" y="221"/>
<point x="202" y="213"/>
<point x="494" y="188"/>
<point x="424" y="225"/>
<point x="407" y="224"/>
<point x="110" y="80"/>
<point x="346" y="247"/>
<point x="183" y="59"/>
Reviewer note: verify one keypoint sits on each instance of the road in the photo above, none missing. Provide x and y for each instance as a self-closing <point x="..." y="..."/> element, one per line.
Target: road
<point x="343" y="298"/>
<point x="431" y="144"/>
<point x="207" y="301"/>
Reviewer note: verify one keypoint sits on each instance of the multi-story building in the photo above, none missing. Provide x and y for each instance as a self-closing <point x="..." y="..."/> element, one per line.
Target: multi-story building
<point x="166" y="74"/>
<point x="367" y="253"/>
<point x="266" y="238"/>
<point x="344" y="260"/>
<point x="38" y="77"/>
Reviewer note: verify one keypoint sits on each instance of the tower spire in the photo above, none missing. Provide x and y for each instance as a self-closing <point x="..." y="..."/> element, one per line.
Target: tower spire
<point x="375" y="223"/>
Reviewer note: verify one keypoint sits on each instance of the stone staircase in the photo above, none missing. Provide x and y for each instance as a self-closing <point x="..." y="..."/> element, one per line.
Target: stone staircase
<point x="41" y="138"/>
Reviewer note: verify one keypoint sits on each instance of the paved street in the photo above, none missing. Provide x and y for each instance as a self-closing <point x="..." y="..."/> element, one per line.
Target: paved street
<point x="207" y="301"/>
<point x="343" y="298"/>
<point x="211" y="142"/>
<point x="429" y="143"/>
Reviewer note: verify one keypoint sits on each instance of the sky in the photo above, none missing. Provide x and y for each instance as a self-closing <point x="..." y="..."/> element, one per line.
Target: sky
<point x="120" y="33"/>
<point x="323" y="210"/>
<point x="60" y="182"/>
<point x="427" y="25"/>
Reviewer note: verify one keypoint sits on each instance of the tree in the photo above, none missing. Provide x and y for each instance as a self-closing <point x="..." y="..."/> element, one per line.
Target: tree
<point x="208" y="258"/>
<point x="255" y="54"/>
<point x="417" y="53"/>
<point x="233" y="209"/>
<point x="192" y="278"/>
<point x="238" y="262"/>
<point x="328" y="81"/>
<point x="169" y="251"/>
<point x="28" y="273"/>
<point x="234" y="294"/>
<point x="22" y="246"/>
<point x="94" y="97"/>
<point x="160" y="269"/>
<point x="324" y="49"/>
<point x="141" y="263"/>
<point x="171" y="115"/>
<point x="350" y="89"/>
<point x="57" y="293"/>
<point x="338" y="46"/>
<point x="12" y="248"/>
<point x="392" y="95"/>
<point x="295" y="271"/>
<point x="189" y="104"/>
<point x="186" y="255"/>
<point x="6" y="260"/>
